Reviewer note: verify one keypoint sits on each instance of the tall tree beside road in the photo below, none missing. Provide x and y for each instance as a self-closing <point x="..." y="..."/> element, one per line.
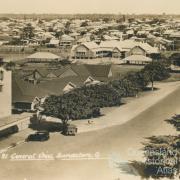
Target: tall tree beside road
<point x="124" y="87"/>
<point x="138" y="79"/>
<point x="156" y="71"/>
<point x="72" y="105"/>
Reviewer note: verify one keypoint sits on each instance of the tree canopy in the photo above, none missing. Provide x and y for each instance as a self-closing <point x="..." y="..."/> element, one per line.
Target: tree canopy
<point x="156" y="71"/>
<point x="28" y="32"/>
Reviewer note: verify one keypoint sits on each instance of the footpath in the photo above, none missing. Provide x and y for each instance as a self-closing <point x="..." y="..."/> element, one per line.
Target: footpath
<point x="117" y="116"/>
<point x="125" y="113"/>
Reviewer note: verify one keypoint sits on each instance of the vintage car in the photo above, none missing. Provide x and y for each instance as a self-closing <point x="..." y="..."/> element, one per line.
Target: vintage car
<point x="70" y="130"/>
<point x="38" y="136"/>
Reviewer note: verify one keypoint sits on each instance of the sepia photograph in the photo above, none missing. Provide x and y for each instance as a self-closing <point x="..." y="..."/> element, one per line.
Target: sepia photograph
<point x="89" y="90"/>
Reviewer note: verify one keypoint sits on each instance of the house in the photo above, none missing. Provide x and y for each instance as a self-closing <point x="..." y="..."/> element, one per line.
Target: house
<point x="127" y="46"/>
<point x="5" y="92"/>
<point x="137" y="59"/>
<point x="53" y="43"/>
<point x="137" y="50"/>
<point x="66" y="41"/>
<point x="110" y="49"/>
<point x="175" y="37"/>
<point x="42" y="57"/>
<point x="39" y="59"/>
<point x="28" y="95"/>
<point x="35" y="75"/>
<point x="91" y="50"/>
<point x="84" y="51"/>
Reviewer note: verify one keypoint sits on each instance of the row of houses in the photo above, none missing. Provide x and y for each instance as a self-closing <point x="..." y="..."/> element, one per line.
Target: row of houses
<point x="64" y="33"/>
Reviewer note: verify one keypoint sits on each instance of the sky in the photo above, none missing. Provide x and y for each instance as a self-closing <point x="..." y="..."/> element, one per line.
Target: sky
<point x="90" y="6"/>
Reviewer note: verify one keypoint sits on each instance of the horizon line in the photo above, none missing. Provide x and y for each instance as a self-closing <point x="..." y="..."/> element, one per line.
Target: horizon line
<point x="16" y="13"/>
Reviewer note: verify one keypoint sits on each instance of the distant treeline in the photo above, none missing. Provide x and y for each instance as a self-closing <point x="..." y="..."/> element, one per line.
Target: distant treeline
<point x="84" y="16"/>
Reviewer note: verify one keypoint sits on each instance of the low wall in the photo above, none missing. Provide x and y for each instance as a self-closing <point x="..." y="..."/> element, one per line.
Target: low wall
<point x="15" y="126"/>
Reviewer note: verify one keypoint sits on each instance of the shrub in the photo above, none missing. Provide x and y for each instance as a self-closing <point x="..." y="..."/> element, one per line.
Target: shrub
<point x="138" y="79"/>
<point x="72" y="105"/>
<point x="124" y="87"/>
<point x="101" y="95"/>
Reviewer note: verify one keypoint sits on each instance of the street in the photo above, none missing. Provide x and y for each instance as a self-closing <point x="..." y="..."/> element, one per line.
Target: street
<point x="111" y="145"/>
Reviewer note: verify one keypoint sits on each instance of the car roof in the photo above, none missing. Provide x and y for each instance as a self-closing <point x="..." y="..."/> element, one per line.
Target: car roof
<point x="42" y="132"/>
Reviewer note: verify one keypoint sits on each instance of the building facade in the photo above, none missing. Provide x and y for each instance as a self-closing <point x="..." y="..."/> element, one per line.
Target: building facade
<point x="5" y="93"/>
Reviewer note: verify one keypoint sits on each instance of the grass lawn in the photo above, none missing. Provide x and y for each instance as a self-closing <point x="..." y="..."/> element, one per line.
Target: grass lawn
<point x="120" y="70"/>
<point x="16" y="56"/>
<point x="13" y="56"/>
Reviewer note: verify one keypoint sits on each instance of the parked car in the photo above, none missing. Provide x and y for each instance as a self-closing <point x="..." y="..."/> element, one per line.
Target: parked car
<point x="70" y="130"/>
<point x="38" y="136"/>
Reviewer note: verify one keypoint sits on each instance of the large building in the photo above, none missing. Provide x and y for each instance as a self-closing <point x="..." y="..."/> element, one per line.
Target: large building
<point x="112" y="49"/>
<point x="5" y="93"/>
<point x="28" y="87"/>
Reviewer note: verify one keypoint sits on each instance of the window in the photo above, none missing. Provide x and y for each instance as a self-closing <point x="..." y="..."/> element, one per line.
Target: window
<point x="1" y="75"/>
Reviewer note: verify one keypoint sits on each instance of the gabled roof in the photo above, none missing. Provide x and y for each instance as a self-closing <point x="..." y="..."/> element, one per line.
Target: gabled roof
<point x="60" y="71"/>
<point x="54" y="42"/>
<point x="149" y="49"/>
<point x="139" y="58"/>
<point x="81" y="70"/>
<point x="99" y="71"/>
<point x="66" y="37"/>
<point x="56" y="86"/>
<point x="25" y="92"/>
<point x="111" y="44"/>
<point x="42" y="71"/>
<point x="84" y="39"/>
<point x="90" y="45"/>
<point x="43" y="55"/>
<point x="91" y="80"/>
<point x="70" y="86"/>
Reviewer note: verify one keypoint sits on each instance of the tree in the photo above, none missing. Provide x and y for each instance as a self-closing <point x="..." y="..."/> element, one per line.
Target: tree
<point x="10" y="65"/>
<point x="155" y="71"/>
<point x="122" y="27"/>
<point x="175" y="58"/>
<point x="72" y="105"/>
<point x="168" y="156"/>
<point x="67" y="27"/>
<point x="28" y="31"/>
<point x="101" y="95"/>
<point x="124" y="87"/>
<point x="162" y="156"/>
<point x="138" y="79"/>
<point x="82" y="103"/>
<point x="84" y="24"/>
<point x="16" y="41"/>
<point x="58" y="34"/>
<point x="175" y="121"/>
<point x="106" y="19"/>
